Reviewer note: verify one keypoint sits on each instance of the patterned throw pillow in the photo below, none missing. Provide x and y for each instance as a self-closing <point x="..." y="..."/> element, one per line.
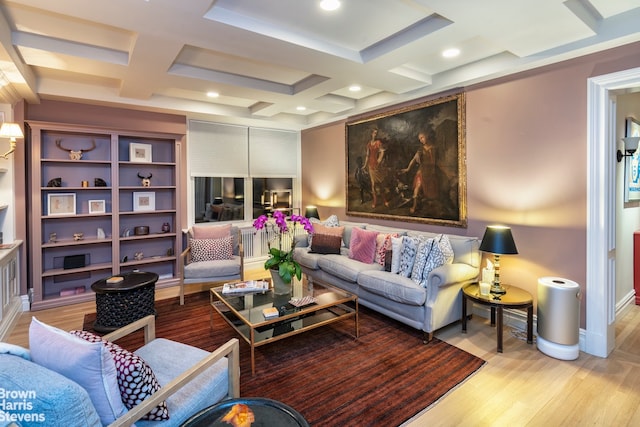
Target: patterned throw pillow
<point x="326" y="244"/>
<point x="445" y="247"/>
<point x="332" y="221"/>
<point x="424" y="249"/>
<point x="362" y="246"/>
<point x="408" y="255"/>
<point x="211" y="249"/>
<point x="136" y="380"/>
<point x="435" y="259"/>
<point x="319" y="227"/>
<point x="396" y="254"/>
<point x="383" y="244"/>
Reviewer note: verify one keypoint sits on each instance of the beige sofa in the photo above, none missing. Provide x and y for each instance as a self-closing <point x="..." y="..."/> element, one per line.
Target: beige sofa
<point x="427" y="307"/>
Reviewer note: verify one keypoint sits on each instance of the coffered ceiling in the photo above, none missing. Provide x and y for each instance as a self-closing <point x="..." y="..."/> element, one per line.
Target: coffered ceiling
<point x="268" y="58"/>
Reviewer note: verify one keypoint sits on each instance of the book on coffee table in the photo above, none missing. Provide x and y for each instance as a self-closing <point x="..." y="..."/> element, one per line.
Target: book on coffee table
<point x="244" y="287"/>
<point x="270" y="312"/>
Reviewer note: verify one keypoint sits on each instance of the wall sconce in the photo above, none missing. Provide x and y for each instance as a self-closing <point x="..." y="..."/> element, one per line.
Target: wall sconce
<point x="630" y="147"/>
<point x="11" y="131"/>
<point x="498" y="240"/>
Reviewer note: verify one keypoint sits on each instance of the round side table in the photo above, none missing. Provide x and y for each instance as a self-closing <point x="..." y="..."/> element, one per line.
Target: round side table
<point x="118" y="304"/>
<point x="267" y="412"/>
<point x="513" y="298"/>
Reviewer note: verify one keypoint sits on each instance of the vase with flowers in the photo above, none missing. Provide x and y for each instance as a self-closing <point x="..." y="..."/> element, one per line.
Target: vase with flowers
<point x="280" y="262"/>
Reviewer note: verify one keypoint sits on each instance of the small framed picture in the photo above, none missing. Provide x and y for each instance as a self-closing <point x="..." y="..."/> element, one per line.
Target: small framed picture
<point x="61" y="204"/>
<point x="140" y="153"/>
<point x="96" y="206"/>
<point x="144" y="201"/>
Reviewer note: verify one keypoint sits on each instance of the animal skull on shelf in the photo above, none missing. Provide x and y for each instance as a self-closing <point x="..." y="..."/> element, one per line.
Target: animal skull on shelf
<point x="146" y="180"/>
<point x="75" y="154"/>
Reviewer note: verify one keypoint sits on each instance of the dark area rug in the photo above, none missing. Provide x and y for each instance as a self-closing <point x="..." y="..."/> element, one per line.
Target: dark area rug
<point x="333" y="379"/>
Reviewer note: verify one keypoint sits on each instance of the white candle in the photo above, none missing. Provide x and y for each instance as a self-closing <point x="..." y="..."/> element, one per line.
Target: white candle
<point x="488" y="275"/>
<point x="485" y="288"/>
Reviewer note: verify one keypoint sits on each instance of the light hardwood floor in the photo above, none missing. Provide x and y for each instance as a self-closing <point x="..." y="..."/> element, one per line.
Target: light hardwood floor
<point x="520" y="387"/>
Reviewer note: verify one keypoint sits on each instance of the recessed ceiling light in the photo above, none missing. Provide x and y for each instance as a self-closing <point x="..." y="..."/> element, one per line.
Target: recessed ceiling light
<point x="330" y="4"/>
<point x="355" y="88"/>
<point x="213" y="94"/>
<point x="451" y="53"/>
<point x="301" y="108"/>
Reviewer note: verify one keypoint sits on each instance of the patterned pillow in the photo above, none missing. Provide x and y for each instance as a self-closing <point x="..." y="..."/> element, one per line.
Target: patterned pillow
<point x="408" y="255"/>
<point x="435" y="259"/>
<point x="362" y="246"/>
<point x="211" y="249"/>
<point x="326" y="244"/>
<point x="424" y="249"/>
<point x="383" y="244"/>
<point x="332" y="221"/>
<point x="136" y="380"/>
<point x="396" y="254"/>
<point x="445" y="246"/>
<point x="319" y="227"/>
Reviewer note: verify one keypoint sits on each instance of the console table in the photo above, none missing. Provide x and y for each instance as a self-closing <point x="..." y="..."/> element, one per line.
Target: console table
<point x="118" y="304"/>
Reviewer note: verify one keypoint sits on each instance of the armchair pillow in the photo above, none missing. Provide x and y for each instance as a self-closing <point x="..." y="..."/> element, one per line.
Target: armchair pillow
<point x="136" y="380"/>
<point x="88" y="364"/>
<point x="408" y="255"/>
<point x="211" y="249"/>
<point x="211" y="231"/>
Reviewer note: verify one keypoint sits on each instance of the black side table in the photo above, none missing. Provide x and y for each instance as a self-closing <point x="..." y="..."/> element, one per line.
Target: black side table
<point x="267" y="412"/>
<point x="118" y="304"/>
<point x="514" y="298"/>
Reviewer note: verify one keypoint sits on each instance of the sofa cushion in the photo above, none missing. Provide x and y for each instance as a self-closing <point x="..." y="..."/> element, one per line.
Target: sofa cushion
<point x="424" y="248"/>
<point x="306" y="258"/>
<point x="205" y="390"/>
<point x="383" y="244"/>
<point x="219" y="268"/>
<point x="445" y="247"/>
<point x="362" y="246"/>
<point x="348" y="229"/>
<point x="344" y="267"/>
<point x="396" y="254"/>
<point x="211" y="249"/>
<point x="88" y="364"/>
<point x="436" y="258"/>
<point x="326" y="243"/>
<point x="136" y="379"/>
<point x="56" y="400"/>
<point x="386" y="230"/>
<point x="408" y="255"/>
<point x="392" y="286"/>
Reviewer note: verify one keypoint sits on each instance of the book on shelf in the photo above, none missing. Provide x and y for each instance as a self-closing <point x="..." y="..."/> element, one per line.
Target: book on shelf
<point x="247" y="286"/>
<point x="270" y="312"/>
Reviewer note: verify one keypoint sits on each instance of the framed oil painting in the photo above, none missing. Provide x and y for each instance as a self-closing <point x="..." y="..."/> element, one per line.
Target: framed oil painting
<point x="409" y="164"/>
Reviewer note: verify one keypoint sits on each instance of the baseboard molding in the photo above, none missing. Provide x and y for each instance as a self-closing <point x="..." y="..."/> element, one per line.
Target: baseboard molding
<point x="10" y="318"/>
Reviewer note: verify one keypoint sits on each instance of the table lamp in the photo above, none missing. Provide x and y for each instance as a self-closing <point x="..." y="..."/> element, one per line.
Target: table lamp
<point x="311" y="212"/>
<point x="498" y="240"/>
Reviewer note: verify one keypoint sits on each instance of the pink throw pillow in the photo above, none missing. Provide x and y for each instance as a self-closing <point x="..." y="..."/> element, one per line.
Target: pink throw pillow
<point x="362" y="246"/>
<point x="211" y="231"/>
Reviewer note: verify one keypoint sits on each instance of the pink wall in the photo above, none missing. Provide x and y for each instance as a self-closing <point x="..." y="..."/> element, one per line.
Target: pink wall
<point x="526" y="166"/>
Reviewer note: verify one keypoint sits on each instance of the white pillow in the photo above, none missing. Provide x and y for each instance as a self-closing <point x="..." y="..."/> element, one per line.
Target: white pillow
<point x="408" y="255"/>
<point x="445" y="247"/>
<point x="424" y="248"/>
<point x="88" y="364"/>
<point x="435" y="259"/>
<point x="396" y="254"/>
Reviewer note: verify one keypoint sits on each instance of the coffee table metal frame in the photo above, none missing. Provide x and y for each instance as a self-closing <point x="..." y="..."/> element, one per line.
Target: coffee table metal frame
<point x="243" y="312"/>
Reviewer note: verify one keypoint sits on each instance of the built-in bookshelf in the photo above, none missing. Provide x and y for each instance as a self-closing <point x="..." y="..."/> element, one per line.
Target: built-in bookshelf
<point x="103" y="202"/>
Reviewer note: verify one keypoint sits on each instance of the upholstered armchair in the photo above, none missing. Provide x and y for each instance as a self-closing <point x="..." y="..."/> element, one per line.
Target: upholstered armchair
<point x="79" y="379"/>
<point x="213" y="255"/>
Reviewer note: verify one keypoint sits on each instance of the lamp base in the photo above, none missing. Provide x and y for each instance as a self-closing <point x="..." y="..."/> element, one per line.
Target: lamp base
<point x="497" y="289"/>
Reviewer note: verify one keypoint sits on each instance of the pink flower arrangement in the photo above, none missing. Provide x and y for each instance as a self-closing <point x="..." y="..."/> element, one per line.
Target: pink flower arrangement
<point x="279" y="258"/>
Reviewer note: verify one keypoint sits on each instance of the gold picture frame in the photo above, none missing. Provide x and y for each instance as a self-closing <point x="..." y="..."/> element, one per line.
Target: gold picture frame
<point x="409" y="164"/>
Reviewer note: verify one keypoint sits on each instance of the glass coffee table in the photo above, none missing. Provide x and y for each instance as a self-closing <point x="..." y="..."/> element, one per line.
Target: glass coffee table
<point x="244" y="312"/>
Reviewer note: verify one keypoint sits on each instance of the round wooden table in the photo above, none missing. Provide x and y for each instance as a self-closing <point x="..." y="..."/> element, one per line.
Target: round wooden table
<point x="513" y="298"/>
<point x="118" y="304"/>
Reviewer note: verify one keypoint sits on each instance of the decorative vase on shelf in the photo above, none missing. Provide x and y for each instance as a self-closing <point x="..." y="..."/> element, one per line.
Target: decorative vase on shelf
<point x="280" y="287"/>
